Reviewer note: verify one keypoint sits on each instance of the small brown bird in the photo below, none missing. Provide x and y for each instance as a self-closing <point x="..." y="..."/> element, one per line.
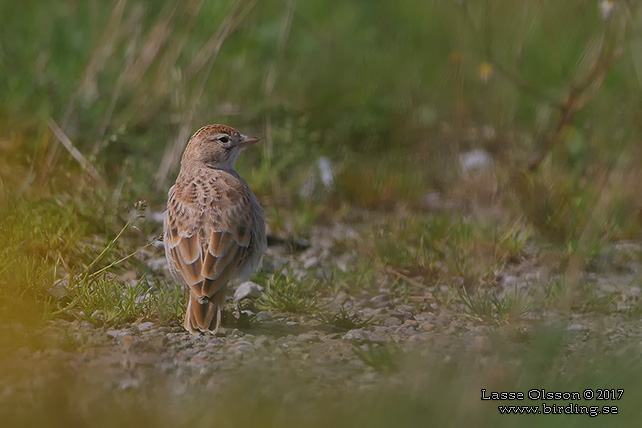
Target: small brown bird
<point x="214" y="227"/>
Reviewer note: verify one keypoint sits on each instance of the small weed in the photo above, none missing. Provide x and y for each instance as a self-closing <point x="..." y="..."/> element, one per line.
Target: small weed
<point x="286" y="294"/>
<point x="588" y="300"/>
<point x="585" y="299"/>
<point x="553" y="291"/>
<point x="168" y="303"/>
<point x="346" y="319"/>
<point x="106" y="301"/>
<point x="381" y="358"/>
<point x="444" y="295"/>
<point x="487" y="307"/>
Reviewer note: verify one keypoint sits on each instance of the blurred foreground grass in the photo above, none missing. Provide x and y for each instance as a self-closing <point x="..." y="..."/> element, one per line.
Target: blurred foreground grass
<point x="432" y="386"/>
<point x="392" y="93"/>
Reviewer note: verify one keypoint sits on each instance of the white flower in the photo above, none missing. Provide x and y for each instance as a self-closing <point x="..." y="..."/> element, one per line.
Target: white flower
<point x="606" y="8"/>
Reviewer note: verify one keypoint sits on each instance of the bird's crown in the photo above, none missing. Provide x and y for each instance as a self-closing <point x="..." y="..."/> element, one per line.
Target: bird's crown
<point x="215" y="129"/>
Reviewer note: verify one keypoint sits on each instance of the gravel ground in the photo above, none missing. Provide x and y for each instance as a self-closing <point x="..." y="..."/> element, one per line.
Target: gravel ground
<point x="302" y="347"/>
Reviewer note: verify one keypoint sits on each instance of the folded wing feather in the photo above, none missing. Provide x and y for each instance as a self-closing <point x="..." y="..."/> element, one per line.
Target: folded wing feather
<point x="207" y="260"/>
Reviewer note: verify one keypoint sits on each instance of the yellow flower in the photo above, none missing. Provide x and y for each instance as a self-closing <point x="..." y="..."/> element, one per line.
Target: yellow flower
<point x="485" y="71"/>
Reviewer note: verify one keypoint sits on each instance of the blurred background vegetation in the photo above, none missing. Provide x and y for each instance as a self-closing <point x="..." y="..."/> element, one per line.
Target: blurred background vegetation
<point x="99" y="99"/>
<point x="391" y="92"/>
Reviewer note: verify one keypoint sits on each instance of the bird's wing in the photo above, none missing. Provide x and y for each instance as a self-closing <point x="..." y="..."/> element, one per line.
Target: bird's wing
<point x="208" y="233"/>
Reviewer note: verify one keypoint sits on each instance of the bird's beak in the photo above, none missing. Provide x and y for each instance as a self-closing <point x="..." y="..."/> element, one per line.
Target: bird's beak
<point x="247" y="140"/>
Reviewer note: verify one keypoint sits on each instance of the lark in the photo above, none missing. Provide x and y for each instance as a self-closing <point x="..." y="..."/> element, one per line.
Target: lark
<point x="214" y="229"/>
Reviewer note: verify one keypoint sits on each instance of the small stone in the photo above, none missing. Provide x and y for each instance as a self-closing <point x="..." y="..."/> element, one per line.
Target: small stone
<point x="263" y="316"/>
<point x="247" y="314"/>
<point x="308" y="337"/>
<point x="144" y="326"/>
<point x="116" y="334"/>
<point x="477" y="159"/>
<point x="342" y="261"/>
<point x="392" y="322"/>
<point x="427" y="326"/>
<point x="510" y="280"/>
<point x="263" y="342"/>
<point x="60" y="289"/>
<point x="432" y="201"/>
<point x="380" y="298"/>
<point x="577" y="327"/>
<point x="242" y="346"/>
<point x="424" y="317"/>
<point x="402" y="315"/>
<point x="341" y="298"/>
<point x="236" y="333"/>
<point x="363" y="336"/>
<point x="126" y="384"/>
<point x="246" y="290"/>
<point x="311" y="262"/>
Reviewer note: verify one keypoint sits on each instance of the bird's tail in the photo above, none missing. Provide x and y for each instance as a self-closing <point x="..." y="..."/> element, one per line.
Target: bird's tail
<point x="204" y="313"/>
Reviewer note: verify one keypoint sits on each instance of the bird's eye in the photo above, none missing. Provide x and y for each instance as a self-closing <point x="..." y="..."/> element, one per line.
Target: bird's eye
<point x="224" y="140"/>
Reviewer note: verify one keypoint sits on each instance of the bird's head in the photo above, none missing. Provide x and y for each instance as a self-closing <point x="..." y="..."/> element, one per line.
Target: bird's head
<point x="216" y="146"/>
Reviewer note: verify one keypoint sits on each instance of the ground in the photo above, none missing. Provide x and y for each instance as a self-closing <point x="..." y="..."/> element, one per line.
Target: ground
<point x="373" y="343"/>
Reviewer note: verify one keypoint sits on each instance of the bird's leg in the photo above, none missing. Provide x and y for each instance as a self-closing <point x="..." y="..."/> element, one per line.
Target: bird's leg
<point x="218" y="318"/>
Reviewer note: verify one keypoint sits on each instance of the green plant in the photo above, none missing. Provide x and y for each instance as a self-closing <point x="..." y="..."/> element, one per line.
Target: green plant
<point x="346" y="319"/>
<point x="286" y="294"/>
<point x="445" y="248"/>
<point x="103" y="300"/>
<point x="380" y="358"/>
<point x="487" y="307"/>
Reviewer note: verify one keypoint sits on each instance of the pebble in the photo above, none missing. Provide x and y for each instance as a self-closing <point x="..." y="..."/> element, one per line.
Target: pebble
<point x="391" y="322"/>
<point x="248" y="290"/>
<point x="126" y="384"/>
<point x="363" y="336"/>
<point x="577" y="327"/>
<point x="144" y="326"/>
<point x="308" y="337"/>
<point x="241" y="345"/>
<point x="311" y="262"/>
<point x="116" y="334"/>
<point x="427" y="326"/>
<point x="380" y="298"/>
<point x="426" y="316"/>
<point x="263" y="316"/>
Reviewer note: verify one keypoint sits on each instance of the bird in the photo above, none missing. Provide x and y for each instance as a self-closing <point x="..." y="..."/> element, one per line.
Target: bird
<point x="214" y="226"/>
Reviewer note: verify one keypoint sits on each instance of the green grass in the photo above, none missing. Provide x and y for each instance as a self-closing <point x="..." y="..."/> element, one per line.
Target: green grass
<point x="55" y="264"/>
<point x="346" y="319"/>
<point x="284" y="293"/>
<point x="447" y="249"/>
<point x="489" y="308"/>
<point x="106" y="301"/>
